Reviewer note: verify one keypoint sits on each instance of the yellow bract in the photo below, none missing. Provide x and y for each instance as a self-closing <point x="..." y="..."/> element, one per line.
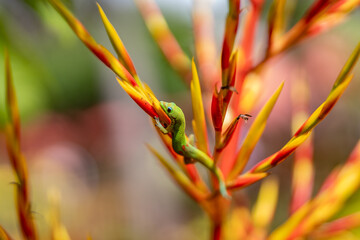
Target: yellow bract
<point x="199" y="123"/>
<point x="118" y="45"/>
<point x="264" y="208"/>
<point x="254" y="134"/>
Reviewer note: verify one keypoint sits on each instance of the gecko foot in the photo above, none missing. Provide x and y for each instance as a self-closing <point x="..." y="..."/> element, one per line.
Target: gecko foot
<point x="160" y="126"/>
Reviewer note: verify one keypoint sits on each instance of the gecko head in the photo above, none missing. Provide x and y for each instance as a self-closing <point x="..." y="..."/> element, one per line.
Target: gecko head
<point x="172" y="110"/>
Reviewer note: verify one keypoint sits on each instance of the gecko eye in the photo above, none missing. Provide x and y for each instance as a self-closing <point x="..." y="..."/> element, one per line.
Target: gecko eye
<point x="169" y="109"/>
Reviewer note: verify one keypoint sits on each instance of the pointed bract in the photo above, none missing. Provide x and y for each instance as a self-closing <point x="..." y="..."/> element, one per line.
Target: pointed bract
<point x="232" y="22"/>
<point x="17" y="160"/>
<point x="254" y="134"/>
<point x="102" y="53"/>
<point x="11" y="106"/>
<point x="199" y="123"/>
<point x="276" y="22"/>
<point x="216" y="111"/>
<point x="118" y="45"/>
<point x="162" y="35"/>
<point x="180" y="178"/>
<point x="138" y="98"/>
<point x="245" y="180"/>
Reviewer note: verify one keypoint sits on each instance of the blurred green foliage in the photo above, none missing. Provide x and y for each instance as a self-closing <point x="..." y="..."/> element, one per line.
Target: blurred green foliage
<point x="52" y="71"/>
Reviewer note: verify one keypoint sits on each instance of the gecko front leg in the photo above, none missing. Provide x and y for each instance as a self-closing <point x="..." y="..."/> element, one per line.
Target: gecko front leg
<point x="160" y="126"/>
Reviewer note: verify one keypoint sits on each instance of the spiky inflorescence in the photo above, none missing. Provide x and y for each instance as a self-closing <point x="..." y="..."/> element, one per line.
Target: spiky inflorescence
<point x="17" y="158"/>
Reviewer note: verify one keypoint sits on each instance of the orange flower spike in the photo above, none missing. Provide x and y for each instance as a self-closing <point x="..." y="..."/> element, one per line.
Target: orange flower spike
<point x="100" y="52"/>
<point x="316" y="117"/>
<point x="118" y="45"/>
<point x="162" y="35"/>
<point x="303" y="169"/>
<point x="221" y="100"/>
<point x="17" y="159"/>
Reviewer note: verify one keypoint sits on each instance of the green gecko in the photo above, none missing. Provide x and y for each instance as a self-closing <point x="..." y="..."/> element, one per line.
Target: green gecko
<point x="185" y="147"/>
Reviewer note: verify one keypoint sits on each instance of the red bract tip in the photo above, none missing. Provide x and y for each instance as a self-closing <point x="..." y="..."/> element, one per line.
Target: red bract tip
<point x="216" y="111"/>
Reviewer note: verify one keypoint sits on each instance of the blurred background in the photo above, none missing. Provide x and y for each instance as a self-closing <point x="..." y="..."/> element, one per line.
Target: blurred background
<point x="84" y="138"/>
